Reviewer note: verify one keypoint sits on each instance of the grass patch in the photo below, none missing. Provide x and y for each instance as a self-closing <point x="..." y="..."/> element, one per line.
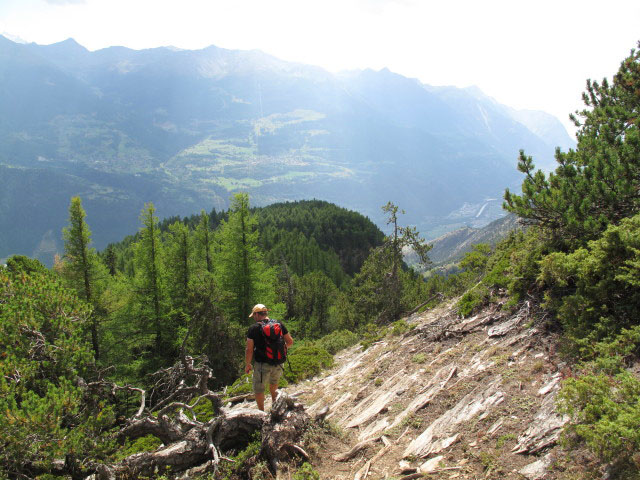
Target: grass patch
<point x="419" y="358"/>
<point x="503" y="439"/>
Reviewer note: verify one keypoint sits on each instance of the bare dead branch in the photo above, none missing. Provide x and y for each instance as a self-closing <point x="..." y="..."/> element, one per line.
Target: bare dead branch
<point x="343" y="457"/>
<point x="413" y="476"/>
<point x="297" y="449"/>
<point x="423" y="304"/>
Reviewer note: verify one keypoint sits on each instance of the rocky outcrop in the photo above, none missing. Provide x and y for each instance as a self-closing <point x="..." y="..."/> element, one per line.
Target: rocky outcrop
<point x="445" y="429"/>
<point x="464" y="396"/>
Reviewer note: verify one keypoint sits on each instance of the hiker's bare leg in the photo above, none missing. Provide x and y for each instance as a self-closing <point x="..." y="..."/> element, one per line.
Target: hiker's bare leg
<point x="274" y="391"/>
<point x="260" y="401"/>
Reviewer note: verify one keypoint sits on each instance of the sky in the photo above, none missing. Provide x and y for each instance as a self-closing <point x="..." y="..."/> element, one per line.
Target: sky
<point x="525" y="54"/>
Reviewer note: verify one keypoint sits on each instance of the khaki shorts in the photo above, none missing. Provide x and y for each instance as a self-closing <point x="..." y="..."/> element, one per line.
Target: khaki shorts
<point x="265" y="374"/>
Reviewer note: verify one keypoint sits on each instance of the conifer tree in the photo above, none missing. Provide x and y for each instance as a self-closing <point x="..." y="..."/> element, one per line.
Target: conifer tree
<point x="111" y="260"/>
<point x="598" y="183"/>
<point x="204" y="241"/>
<point x="242" y="274"/>
<point x="82" y="268"/>
<point x="178" y="262"/>
<point x="45" y="414"/>
<point x="151" y="282"/>
<point x="379" y="286"/>
<point x="314" y="295"/>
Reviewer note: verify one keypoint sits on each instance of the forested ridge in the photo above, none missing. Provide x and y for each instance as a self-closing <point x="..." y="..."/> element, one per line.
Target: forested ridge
<point x="110" y="354"/>
<point x="178" y="289"/>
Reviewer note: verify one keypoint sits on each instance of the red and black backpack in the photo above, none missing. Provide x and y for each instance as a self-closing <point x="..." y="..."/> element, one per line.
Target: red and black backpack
<point x="276" y="348"/>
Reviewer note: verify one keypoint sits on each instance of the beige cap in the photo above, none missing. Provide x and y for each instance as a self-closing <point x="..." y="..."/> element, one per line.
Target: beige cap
<point x="258" y="308"/>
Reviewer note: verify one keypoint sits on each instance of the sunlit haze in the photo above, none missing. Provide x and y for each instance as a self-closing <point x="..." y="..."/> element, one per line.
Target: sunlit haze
<point x="528" y="55"/>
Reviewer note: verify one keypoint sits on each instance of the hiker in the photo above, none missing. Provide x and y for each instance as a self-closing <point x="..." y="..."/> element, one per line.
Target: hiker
<point x="266" y="370"/>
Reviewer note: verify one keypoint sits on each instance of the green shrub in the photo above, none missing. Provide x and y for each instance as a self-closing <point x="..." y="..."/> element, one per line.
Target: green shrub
<point x="372" y="334"/>
<point x="244" y="384"/>
<point x="515" y="264"/>
<point x="306" y="472"/>
<point x="472" y="300"/>
<point x="400" y="327"/>
<point x="252" y="449"/>
<point x="605" y="415"/>
<point x="203" y="410"/>
<point x="603" y="403"/>
<point x="338" y="340"/>
<point x="306" y="360"/>
<point x="230" y="470"/>
<point x="475" y="261"/>
<point x="595" y="289"/>
<point x="45" y="414"/>
<point x="241" y="386"/>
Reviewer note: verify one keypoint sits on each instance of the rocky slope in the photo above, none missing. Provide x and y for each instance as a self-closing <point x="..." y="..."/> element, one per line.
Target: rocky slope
<point x="449" y="398"/>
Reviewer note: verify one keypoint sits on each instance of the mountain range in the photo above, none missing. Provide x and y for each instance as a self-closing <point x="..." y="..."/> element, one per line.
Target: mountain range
<point x="185" y="129"/>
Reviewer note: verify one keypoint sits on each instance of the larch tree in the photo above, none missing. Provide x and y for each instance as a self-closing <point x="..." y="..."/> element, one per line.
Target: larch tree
<point x="243" y="276"/>
<point x="379" y="286"/>
<point x="82" y="268"/>
<point x="151" y="283"/>
<point x="178" y="261"/>
<point x="204" y="241"/>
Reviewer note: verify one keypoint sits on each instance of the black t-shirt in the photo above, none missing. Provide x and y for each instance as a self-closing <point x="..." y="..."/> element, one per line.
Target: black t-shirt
<point x="259" y="344"/>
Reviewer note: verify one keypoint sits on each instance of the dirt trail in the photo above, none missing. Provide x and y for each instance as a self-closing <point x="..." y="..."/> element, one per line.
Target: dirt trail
<point x="450" y="398"/>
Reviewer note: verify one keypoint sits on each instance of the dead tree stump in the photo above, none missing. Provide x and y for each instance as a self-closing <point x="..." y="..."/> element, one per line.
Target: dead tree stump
<point x="283" y="430"/>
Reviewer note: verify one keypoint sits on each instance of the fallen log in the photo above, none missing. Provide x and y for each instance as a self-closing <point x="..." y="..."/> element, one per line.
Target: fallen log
<point x="198" y="446"/>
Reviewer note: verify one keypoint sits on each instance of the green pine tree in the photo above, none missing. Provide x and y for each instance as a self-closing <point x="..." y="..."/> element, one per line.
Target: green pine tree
<point x="314" y="295"/>
<point x="46" y="414"/>
<point x="598" y="183"/>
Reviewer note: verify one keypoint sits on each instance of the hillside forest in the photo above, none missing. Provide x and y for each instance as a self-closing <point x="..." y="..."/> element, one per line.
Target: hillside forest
<point x="151" y="316"/>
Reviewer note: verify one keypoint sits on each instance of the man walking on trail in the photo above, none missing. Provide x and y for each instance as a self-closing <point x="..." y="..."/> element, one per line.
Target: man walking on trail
<point x="265" y="371"/>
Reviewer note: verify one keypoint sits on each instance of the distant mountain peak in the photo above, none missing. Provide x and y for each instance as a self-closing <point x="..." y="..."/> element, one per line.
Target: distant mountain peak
<point x="188" y="128"/>
<point x="13" y="38"/>
<point x="69" y="43"/>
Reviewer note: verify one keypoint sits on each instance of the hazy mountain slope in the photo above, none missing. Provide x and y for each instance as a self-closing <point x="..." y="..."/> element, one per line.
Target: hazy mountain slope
<point x="506" y="128"/>
<point x="451" y="246"/>
<point x="196" y="126"/>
